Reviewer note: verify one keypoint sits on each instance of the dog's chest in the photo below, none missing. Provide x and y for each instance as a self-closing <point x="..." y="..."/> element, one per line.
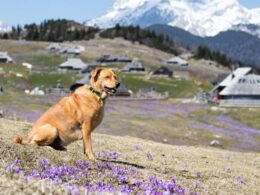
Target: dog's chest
<point x="98" y="117"/>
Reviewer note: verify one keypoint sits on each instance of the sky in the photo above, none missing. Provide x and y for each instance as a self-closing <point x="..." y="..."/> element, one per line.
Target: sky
<point x="22" y="12"/>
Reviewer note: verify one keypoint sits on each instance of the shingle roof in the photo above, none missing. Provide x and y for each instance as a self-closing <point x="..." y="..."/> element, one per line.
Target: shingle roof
<point x="4" y="55"/>
<point x="54" y="46"/>
<point x="246" y="85"/>
<point x="133" y="65"/>
<point x="163" y="71"/>
<point x="177" y="60"/>
<point x="233" y="77"/>
<point x="74" y="63"/>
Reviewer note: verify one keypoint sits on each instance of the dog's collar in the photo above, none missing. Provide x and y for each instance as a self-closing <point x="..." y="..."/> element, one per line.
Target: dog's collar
<point x="97" y="93"/>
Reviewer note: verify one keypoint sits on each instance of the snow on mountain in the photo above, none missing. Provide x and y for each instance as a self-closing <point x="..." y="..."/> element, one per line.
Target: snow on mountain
<point x="200" y="17"/>
<point x="4" y="27"/>
<point x="248" y="28"/>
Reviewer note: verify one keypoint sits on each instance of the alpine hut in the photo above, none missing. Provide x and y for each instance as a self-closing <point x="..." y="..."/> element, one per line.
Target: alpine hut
<point x="73" y="64"/>
<point x="163" y="71"/>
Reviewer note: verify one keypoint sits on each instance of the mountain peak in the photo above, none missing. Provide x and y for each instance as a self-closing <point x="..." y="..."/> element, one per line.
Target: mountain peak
<point x="200" y="17"/>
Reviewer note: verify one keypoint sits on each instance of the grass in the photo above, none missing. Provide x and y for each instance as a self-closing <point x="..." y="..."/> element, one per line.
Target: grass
<point x="21" y="47"/>
<point x="47" y="80"/>
<point x="250" y="117"/>
<point x="199" y="170"/>
<point x="14" y="68"/>
<point x="176" y="88"/>
<point x="47" y="60"/>
<point x="246" y="116"/>
<point x="9" y="81"/>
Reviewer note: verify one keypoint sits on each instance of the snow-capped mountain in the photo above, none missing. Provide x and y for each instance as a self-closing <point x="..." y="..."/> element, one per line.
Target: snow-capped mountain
<point x="4" y="27"/>
<point x="200" y="17"/>
<point x="248" y="28"/>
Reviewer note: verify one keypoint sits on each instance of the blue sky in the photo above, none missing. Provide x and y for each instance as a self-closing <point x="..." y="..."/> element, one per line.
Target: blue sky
<point x="27" y="11"/>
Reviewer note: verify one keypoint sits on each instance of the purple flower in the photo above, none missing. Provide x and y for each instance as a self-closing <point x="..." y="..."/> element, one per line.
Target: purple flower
<point x="241" y="180"/>
<point x="44" y="163"/>
<point x="109" y="177"/>
<point x="227" y="170"/>
<point x="149" y="156"/>
<point x="82" y="164"/>
<point x="72" y="189"/>
<point x="138" y="147"/>
<point x="108" y="155"/>
<point x="14" y="167"/>
<point x="122" y="179"/>
<point x="197" y="185"/>
<point x="138" y="183"/>
<point x="198" y="175"/>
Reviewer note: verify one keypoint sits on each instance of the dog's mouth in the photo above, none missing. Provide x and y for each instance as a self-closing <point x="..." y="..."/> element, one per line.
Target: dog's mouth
<point x="109" y="90"/>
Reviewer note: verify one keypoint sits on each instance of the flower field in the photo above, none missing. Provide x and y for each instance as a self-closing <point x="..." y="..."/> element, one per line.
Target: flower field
<point x="124" y="165"/>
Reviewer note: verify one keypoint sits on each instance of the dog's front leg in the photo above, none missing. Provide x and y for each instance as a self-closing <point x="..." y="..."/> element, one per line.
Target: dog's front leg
<point x="86" y="134"/>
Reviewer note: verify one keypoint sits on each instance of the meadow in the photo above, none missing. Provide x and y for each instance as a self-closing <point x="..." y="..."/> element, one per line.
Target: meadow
<point x="172" y="121"/>
<point x="145" y="147"/>
<point x="124" y="165"/>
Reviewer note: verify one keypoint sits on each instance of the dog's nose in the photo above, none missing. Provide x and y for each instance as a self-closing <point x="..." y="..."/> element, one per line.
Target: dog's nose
<point x="117" y="85"/>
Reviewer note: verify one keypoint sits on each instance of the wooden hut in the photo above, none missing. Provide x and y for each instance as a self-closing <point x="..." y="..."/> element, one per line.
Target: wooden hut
<point x="73" y="64"/>
<point x="163" y="71"/>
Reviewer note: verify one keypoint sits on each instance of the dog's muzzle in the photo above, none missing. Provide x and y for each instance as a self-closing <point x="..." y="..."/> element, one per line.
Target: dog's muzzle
<point x="111" y="91"/>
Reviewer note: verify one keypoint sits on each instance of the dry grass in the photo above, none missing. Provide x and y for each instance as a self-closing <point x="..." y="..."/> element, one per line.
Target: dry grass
<point x="98" y="47"/>
<point x="19" y="47"/>
<point x="222" y="172"/>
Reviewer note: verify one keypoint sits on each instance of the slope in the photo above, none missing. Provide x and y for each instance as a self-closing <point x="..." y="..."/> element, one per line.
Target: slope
<point x="201" y="170"/>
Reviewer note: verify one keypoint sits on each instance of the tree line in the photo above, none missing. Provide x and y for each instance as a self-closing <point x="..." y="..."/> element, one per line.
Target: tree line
<point x="53" y="31"/>
<point x="142" y="36"/>
<point x="204" y="52"/>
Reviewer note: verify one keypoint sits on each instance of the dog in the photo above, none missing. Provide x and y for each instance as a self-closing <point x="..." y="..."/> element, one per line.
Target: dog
<point x="75" y="116"/>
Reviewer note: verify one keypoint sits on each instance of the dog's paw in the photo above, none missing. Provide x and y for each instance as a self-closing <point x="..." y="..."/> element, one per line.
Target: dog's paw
<point x="91" y="157"/>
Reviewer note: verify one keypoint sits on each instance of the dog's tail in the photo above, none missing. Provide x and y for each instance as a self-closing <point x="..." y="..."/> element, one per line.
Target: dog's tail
<point x="19" y="140"/>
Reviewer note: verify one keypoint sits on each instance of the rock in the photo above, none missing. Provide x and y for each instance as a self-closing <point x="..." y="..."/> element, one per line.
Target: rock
<point x="35" y="91"/>
<point x="1" y="114"/>
<point x="165" y="140"/>
<point x="215" y="143"/>
<point x="18" y="75"/>
<point x="27" y="65"/>
<point x="214" y="108"/>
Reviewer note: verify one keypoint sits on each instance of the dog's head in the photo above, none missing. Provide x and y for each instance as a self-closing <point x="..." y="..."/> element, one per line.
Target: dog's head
<point x="104" y="81"/>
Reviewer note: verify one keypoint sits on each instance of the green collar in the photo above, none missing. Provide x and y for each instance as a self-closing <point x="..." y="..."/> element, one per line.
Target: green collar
<point x="98" y="94"/>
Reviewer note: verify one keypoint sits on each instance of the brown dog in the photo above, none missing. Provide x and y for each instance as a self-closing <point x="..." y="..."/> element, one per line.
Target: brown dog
<point x="82" y="109"/>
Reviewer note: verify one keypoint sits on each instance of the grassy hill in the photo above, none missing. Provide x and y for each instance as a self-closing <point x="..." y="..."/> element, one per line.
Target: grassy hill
<point x="45" y="66"/>
<point x="124" y="163"/>
<point x="194" y="169"/>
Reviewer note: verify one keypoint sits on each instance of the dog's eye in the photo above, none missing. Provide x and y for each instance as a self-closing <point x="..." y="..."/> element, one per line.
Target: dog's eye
<point x="107" y="77"/>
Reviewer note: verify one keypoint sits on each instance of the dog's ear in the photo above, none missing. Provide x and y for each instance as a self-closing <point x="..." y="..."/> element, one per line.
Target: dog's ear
<point x="95" y="73"/>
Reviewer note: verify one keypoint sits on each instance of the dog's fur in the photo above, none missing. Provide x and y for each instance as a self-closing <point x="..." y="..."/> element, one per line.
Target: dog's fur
<point x="74" y="117"/>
